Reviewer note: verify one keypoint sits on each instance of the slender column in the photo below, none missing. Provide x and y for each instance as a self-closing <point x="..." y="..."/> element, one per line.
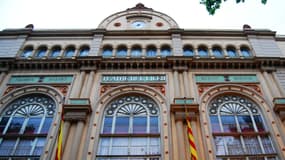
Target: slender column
<point x="65" y="132"/>
<point x="186" y="84"/>
<point x="89" y="85"/>
<point x="129" y="51"/>
<point x="239" y="52"/>
<point x="267" y="79"/>
<point x="143" y="52"/>
<point x="211" y="54"/>
<point x="114" y="52"/>
<point x="77" y="51"/>
<point x="279" y="86"/>
<point x="196" y="52"/>
<point x="158" y="52"/>
<point x="2" y="76"/>
<point x="180" y="138"/>
<point x="76" y="141"/>
<point x="176" y="84"/>
<point x="77" y="88"/>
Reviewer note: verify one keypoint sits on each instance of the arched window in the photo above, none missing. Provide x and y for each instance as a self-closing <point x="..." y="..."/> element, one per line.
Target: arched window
<point x="84" y="51"/>
<point x="232" y="52"/>
<point x="41" y="52"/>
<point x="24" y="126"/>
<point x="130" y="130"/>
<point x="69" y="52"/>
<point x="151" y="51"/>
<point x="203" y="51"/>
<point x="188" y="51"/>
<point x="217" y="52"/>
<point x="27" y="52"/>
<point x="245" y="52"/>
<point x="165" y="51"/>
<point x="136" y="51"/>
<point x="239" y="130"/>
<point x="55" y="52"/>
<point x="122" y="51"/>
<point x="107" y="51"/>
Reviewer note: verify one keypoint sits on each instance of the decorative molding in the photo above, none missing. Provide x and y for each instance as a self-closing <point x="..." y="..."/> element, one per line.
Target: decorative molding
<point x="183" y="107"/>
<point x="279" y="106"/>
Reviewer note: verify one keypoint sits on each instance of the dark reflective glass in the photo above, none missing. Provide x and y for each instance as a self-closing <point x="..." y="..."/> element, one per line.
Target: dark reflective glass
<point x="108" y="125"/>
<point x="229" y="124"/>
<point x="122" y="125"/>
<point x="15" y="125"/>
<point x="139" y="124"/>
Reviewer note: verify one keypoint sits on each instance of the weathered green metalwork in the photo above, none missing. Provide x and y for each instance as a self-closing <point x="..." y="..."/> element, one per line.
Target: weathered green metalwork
<point x="226" y="78"/>
<point x="41" y="79"/>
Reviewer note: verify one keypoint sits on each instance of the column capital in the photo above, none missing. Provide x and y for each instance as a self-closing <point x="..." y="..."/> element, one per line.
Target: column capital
<point x="77" y="109"/>
<point x="183" y="107"/>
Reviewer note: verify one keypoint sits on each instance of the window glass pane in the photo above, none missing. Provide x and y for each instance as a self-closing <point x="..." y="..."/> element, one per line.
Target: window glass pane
<point x="267" y="144"/>
<point x="46" y="125"/>
<point x="245" y="52"/>
<point x="229" y="124"/>
<point x="219" y="144"/>
<point x="153" y="124"/>
<point x="104" y="146"/>
<point x="252" y="146"/>
<point x="139" y="124"/>
<point x="27" y="52"/>
<point x="165" y="52"/>
<point x="203" y="52"/>
<point x="24" y="147"/>
<point x="215" y="124"/>
<point x="188" y="52"/>
<point x="7" y="146"/>
<point x="32" y="125"/>
<point x="69" y="53"/>
<point x="122" y="52"/>
<point x="233" y="145"/>
<point x="55" y="52"/>
<point x="3" y="123"/>
<point x="107" y="53"/>
<point x="245" y="123"/>
<point x="41" y="53"/>
<point x="39" y="146"/>
<point x="232" y="53"/>
<point x="15" y="125"/>
<point x="136" y="52"/>
<point x="154" y="146"/>
<point x="108" y="125"/>
<point x="122" y="125"/>
<point x="84" y="52"/>
<point x="259" y="123"/>
<point x="151" y="53"/>
<point x="217" y="53"/>
<point x="120" y="146"/>
<point x="138" y="146"/>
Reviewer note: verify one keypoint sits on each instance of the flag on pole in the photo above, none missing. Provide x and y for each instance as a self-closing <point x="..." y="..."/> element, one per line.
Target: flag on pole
<point x="59" y="141"/>
<point x="193" y="150"/>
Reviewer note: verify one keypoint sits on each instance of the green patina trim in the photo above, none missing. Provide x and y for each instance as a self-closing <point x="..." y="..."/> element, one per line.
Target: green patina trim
<point x="40" y="79"/>
<point x="226" y="78"/>
<point x="279" y="101"/>
<point x="79" y="101"/>
<point x="133" y="79"/>
<point x="183" y="101"/>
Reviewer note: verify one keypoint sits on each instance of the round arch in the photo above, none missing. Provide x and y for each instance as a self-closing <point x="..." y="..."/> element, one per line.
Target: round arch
<point x="115" y="93"/>
<point x="243" y="91"/>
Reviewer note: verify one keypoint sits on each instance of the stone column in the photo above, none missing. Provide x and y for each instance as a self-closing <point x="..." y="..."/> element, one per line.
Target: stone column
<point x="76" y="140"/>
<point x="268" y="82"/>
<point x="279" y="86"/>
<point x="2" y="76"/>
<point x="180" y="138"/>
<point x="176" y="84"/>
<point x="66" y="127"/>
<point x="186" y="84"/>
<point x="79" y="85"/>
<point x="89" y="84"/>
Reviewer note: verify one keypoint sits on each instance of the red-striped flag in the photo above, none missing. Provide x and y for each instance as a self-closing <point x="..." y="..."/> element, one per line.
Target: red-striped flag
<point x="193" y="150"/>
<point x="59" y="141"/>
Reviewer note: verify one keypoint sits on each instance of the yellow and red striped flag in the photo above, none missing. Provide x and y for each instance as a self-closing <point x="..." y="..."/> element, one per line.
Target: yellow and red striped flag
<point x="193" y="150"/>
<point x="59" y="141"/>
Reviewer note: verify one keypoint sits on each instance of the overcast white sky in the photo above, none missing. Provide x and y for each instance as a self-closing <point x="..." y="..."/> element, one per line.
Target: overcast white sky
<point x="189" y="14"/>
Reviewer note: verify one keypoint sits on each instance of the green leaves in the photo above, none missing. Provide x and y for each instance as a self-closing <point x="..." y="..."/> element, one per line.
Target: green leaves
<point x="213" y="5"/>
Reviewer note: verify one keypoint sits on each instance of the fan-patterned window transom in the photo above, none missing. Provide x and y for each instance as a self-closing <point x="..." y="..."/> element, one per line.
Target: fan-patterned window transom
<point x="24" y="125"/>
<point x="130" y="129"/>
<point x="239" y="130"/>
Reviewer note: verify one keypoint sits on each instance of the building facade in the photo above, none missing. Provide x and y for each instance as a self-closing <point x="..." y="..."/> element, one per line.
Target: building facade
<point x="125" y="89"/>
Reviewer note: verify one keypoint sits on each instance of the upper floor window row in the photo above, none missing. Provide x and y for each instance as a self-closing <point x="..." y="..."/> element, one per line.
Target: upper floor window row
<point x="54" y="52"/>
<point x="136" y="51"/>
<point x="217" y="51"/>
